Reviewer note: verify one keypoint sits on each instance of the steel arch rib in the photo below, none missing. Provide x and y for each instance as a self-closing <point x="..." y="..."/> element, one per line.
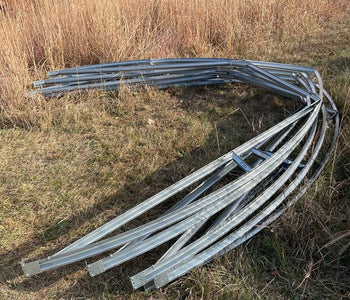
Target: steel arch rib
<point x="245" y="205"/>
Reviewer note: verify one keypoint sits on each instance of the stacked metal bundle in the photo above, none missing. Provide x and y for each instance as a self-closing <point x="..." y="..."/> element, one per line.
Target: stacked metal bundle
<point x="208" y="222"/>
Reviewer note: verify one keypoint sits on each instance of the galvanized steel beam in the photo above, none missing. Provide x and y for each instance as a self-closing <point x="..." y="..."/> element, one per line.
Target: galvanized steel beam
<point x="244" y="205"/>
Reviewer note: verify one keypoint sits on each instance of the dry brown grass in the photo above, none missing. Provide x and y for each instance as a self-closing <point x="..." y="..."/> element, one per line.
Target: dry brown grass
<point x="37" y="36"/>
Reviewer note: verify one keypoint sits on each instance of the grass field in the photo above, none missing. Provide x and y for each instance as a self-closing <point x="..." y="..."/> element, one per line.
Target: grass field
<point x="70" y="164"/>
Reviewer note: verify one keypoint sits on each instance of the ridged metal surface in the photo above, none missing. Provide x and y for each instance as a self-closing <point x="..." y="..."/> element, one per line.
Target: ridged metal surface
<point x="280" y="159"/>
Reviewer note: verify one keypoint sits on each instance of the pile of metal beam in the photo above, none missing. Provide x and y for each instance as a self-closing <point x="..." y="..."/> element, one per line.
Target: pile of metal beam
<point x="208" y="222"/>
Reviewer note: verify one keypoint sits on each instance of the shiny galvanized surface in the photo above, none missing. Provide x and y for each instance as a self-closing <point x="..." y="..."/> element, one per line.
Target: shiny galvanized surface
<point x="245" y="205"/>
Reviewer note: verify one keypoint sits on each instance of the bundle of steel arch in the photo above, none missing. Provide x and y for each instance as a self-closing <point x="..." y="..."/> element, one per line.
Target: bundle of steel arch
<point x="274" y="169"/>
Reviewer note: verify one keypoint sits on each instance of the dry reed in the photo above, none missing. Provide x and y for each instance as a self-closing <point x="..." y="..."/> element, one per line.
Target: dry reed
<point x="37" y="36"/>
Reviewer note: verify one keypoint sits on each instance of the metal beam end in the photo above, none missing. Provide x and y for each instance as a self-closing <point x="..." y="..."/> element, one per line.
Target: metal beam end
<point x="31" y="268"/>
<point x="31" y="93"/>
<point x="38" y="83"/>
<point x="161" y="280"/>
<point x="53" y="73"/>
<point x="96" y="268"/>
<point x="138" y="280"/>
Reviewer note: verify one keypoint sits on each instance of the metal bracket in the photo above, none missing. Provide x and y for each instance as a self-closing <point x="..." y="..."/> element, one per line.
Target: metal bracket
<point x="267" y="154"/>
<point x="331" y="113"/>
<point x="31" y="268"/>
<point x="287" y="161"/>
<point x="244" y="166"/>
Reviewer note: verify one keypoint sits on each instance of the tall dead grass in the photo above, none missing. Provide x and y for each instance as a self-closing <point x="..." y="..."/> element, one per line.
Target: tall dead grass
<point x="40" y="35"/>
